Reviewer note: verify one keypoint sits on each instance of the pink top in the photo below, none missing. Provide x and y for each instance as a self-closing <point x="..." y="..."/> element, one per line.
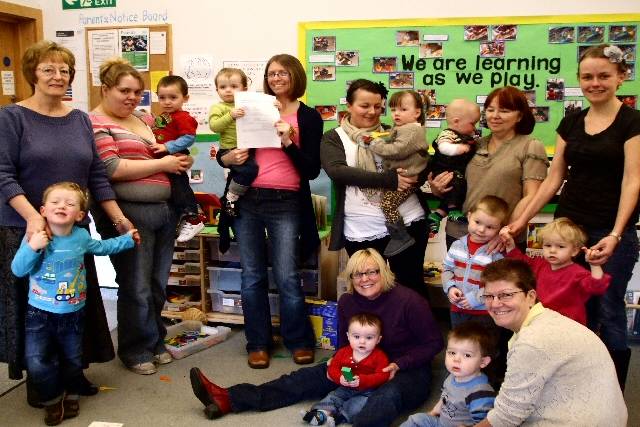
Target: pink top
<point x="275" y="169"/>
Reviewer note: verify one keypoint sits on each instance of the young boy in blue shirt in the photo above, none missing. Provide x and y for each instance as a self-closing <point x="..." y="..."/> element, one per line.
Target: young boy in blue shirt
<point x="57" y="291"/>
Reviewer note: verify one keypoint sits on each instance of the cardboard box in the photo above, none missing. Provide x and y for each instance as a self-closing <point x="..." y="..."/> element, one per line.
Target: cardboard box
<point x="324" y="319"/>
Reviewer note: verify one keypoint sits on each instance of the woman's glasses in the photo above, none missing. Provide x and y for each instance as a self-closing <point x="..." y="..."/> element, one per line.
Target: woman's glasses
<point x="273" y="74"/>
<point x="51" y="71"/>
<point x="503" y="296"/>
<point x="371" y="274"/>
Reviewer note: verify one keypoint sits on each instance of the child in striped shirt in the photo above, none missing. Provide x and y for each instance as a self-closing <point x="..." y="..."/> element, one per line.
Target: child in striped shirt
<point x="468" y="256"/>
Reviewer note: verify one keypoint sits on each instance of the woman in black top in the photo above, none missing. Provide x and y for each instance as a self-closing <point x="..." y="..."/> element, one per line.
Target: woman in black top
<point x="598" y="153"/>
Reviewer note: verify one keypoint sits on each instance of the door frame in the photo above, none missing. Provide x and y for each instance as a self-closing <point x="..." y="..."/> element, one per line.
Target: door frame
<point x="28" y="21"/>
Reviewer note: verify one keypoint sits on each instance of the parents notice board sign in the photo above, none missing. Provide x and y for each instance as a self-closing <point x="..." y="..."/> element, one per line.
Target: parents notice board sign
<point x="446" y="59"/>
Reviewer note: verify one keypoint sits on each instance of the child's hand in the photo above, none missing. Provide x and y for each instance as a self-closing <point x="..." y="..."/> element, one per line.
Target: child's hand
<point x="590" y="255"/>
<point x="159" y="148"/>
<point x="237" y="112"/>
<point x="464" y="303"/>
<point x="39" y="240"/>
<point x="505" y="235"/>
<point x="352" y="384"/>
<point x="464" y="148"/>
<point x="455" y="295"/>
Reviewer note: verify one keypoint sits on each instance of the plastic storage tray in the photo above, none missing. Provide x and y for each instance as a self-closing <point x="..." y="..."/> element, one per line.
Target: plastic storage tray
<point x="231" y="255"/>
<point x="232" y="303"/>
<point x="229" y="279"/>
<point x="195" y="346"/>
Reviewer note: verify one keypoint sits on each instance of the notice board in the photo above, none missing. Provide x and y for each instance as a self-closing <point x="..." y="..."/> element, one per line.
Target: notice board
<point x="464" y="57"/>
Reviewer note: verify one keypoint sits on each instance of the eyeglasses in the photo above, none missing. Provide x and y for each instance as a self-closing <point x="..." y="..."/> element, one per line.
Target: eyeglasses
<point x="272" y="74"/>
<point x="371" y="274"/>
<point x="51" y="71"/>
<point x="503" y="296"/>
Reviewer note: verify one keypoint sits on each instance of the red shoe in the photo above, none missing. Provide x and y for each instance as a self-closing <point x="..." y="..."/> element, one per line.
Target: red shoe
<point x="214" y="398"/>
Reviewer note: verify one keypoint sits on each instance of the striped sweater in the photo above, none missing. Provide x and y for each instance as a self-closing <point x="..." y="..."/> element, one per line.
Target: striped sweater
<point x="115" y="142"/>
<point x="462" y="270"/>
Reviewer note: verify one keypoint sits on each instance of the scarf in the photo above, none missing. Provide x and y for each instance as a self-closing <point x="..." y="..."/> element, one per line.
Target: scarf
<point x="365" y="159"/>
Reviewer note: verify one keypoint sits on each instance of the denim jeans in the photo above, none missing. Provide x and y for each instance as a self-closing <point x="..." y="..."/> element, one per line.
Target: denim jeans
<point x="277" y="212"/>
<point x="607" y="314"/>
<point x="53" y="352"/>
<point x="406" y="391"/>
<point x="422" y="420"/>
<point x="408" y="266"/>
<point x="344" y="400"/>
<point x="142" y="275"/>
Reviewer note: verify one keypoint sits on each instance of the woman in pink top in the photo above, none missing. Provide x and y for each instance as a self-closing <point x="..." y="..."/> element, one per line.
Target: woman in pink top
<point x="279" y="201"/>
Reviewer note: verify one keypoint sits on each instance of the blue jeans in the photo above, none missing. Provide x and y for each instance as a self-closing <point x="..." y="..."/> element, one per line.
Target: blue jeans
<point x="608" y="315"/>
<point x="406" y="391"/>
<point x="277" y="212"/>
<point x="344" y="400"/>
<point x="142" y="275"/>
<point x="422" y="420"/>
<point x="53" y="352"/>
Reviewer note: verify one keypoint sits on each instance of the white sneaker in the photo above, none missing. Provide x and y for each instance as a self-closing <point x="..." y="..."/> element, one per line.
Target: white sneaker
<point x="188" y="231"/>
<point x="163" y="358"/>
<point x="144" y="368"/>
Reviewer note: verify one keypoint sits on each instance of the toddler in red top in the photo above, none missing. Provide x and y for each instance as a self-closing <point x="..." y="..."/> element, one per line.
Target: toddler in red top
<point x="175" y="132"/>
<point x="364" y="363"/>
<point x="562" y="285"/>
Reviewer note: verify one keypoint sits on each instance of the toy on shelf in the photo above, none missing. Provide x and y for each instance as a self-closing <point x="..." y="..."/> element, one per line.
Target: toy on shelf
<point x="210" y="204"/>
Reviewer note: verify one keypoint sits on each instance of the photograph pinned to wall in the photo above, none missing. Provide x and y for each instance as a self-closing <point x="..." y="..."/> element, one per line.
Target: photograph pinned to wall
<point x="347" y="58"/>
<point x="631" y="71"/>
<point x="327" y="112"/>
<point x="428" y="95"/>
<point x="431" y="50"/>
<point x="572" y="106"/>
<point x="581" y="50"/>
<point x="504" y="32"/>
<point x="531" y="97"/>
<point x="591" y="34"/>
<point x="562" y="34"/>
<point x="401" y="80"/>
<point x="341" y="115"/>
<point x="407" y="38"/>
<point x="196" y="176"/>
<point x="541" y="114"/>
<point x="214" y="147"/>
<point x="623" y="33"/>
<point x="492" y="49"/>
<point x="555" y="90"/>
<point x="324" y="44"/>
<point x="629" y="100"/>
<point x="476" y="32"/>
<point x="628" y="52"/>
<point x="436" y="112"/>
<point x="134" y="47"/>
<point x="384" y="64"/>
<point x="324" y="72"/>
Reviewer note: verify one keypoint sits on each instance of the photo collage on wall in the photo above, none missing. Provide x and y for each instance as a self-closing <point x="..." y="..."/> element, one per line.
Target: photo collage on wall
<point x="333" y="54"/>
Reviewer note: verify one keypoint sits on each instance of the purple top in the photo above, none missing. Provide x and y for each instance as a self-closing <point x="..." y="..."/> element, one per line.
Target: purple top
<point x="37" y="151"/>
<point x="410" y="334"/>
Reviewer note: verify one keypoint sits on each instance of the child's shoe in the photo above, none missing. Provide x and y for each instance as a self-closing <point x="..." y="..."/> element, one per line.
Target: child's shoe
<point x="54" y="414"/>
<point x="71" y="408"/>
<point x="318" y="417"/>
<point x="189" y="227"/>
<point x="456" y="215"/>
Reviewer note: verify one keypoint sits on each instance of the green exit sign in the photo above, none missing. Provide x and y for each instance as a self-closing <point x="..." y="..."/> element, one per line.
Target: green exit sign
<point x="87" y="4"/>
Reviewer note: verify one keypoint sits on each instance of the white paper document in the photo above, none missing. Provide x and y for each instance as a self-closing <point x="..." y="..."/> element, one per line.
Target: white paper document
<point x="257" y="128"/>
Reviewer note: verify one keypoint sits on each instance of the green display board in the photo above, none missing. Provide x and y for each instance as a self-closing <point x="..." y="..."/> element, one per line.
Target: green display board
<point x="453" y="58"/>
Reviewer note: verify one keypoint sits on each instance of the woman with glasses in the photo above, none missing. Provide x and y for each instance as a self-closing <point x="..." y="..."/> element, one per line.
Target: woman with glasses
<point x="279" y="202"/>
<point x="358" y="221"/>
<point x="559" y="373"/>
<point x="410" y="338"/>
<point x="44" y="141"/>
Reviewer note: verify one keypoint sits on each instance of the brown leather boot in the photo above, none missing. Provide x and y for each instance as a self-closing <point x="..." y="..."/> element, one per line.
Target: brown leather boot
<point x="258" y="359"/>
<point x="71" y="408"/>
<point x="54" y="414"/>
<point x="214" y="398"/>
